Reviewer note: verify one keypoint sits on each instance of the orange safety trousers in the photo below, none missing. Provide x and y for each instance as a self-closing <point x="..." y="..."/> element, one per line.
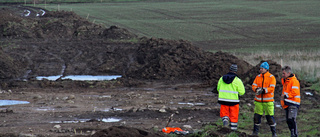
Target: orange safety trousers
<point x="230" y="111"/>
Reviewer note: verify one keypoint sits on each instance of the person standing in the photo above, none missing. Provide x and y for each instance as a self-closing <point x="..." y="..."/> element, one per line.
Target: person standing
<point x="229" y="88"/>
<point x="264" y="85"/>
<point x="290" y="98"/>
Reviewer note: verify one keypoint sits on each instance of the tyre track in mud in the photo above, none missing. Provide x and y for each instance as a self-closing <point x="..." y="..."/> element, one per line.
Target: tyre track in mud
<point x="231" y="28"/>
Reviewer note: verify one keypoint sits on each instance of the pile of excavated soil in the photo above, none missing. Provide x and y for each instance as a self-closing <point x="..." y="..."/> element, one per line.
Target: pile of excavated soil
<point x="57" y="40"/>
<point x="9" y="67"/>
<point x="159" y="59"/>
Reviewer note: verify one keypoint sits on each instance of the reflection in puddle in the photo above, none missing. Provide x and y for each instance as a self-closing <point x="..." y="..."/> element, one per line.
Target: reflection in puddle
<point x="12" y="102"/>
<point x="192" y="104"/>
<point x="106" y="120"/>
<point x="70" y="121"/>
<point x="80" y="77"/>
<point x="45" y="109"/>
<point x="278" y="106"/>
<point x="309" y="94"/>
<point x="108" y="109"/>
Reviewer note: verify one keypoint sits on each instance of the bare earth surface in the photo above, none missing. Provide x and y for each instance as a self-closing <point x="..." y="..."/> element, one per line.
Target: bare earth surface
<point x="159" y="78"/>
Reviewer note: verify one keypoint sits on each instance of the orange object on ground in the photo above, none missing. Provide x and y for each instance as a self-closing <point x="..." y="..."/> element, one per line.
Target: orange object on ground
<point x="171" y="129"/>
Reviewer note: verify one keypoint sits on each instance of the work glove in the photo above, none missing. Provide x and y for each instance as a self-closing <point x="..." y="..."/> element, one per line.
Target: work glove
<point x="259" y="91"/>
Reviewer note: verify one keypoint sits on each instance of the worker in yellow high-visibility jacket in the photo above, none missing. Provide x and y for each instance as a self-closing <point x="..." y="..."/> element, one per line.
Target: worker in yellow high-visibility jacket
<point x="229" y="88"/>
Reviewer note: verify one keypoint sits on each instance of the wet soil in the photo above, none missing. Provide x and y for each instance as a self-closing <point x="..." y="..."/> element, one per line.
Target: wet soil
<point x="159" y="78"/>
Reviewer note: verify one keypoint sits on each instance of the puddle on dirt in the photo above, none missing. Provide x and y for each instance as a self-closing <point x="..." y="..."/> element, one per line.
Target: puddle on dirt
<point x="277" y="104"/>
<point x="192" y="104"/>
<point x="108" y="109"/>
<point x="45" y="109"/>
<point x="309" y="94"/>
<point x="80" y="77"/>
<point x="106" y="120"/>
<point x="12" y="102"/>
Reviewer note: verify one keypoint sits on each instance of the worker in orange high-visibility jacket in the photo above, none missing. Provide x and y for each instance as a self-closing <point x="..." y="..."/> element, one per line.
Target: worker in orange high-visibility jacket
<point x="264" y="85"/>
<point x="230" y="87"/>
<point x="290" y="98"/>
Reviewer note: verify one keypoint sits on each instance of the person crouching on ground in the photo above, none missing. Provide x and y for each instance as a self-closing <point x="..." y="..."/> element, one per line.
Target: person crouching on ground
<point x="229" y="88"/>
<point x="290" y="99"/>
<point x="264" y="85"/>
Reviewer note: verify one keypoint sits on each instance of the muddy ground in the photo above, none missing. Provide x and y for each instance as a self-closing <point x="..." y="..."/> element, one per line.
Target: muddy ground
<point x="159" y="78"/>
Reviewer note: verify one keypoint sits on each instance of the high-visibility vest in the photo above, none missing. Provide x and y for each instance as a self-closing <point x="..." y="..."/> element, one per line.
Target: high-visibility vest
<point x="268" y="82"/>
<point x="230" y="92"/>
<point x="291" y="90"/>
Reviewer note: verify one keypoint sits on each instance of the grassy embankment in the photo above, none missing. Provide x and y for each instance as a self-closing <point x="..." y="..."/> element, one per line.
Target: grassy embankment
<point x="284" y="31"/>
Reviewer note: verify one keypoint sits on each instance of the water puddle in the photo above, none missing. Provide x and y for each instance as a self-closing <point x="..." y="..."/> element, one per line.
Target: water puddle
<point x="12" y="102"/>
<point x="45" y="109"/>
<point x="278" y="106"/>
<point x="192" y="104"/>
<point x="309" y="94"/>
<point x="108" y="109"/>
<point x="80" y="77"/>
<point x="106" y="120"/>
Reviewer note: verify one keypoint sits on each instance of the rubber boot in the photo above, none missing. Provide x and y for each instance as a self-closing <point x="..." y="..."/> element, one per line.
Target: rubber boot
<point x="293" y="133"/>
<point x="226" y="123"/>
<point x="273" y="130"/>
<point x="255" y="129"/>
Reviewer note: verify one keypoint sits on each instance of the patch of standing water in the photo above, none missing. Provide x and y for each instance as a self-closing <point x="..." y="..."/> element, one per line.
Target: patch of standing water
<point x="309" y="94"/>
<point x="80" y="77"/>
<point x="106" y="120"/>
<point x="192" y="104"/>
<point x="12" y="102"/>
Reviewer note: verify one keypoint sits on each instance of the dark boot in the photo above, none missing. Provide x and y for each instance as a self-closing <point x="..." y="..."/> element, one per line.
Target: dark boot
<point x="255" y="129"/>
<point x="273" y="130"/>
<point x="225" y="121"/>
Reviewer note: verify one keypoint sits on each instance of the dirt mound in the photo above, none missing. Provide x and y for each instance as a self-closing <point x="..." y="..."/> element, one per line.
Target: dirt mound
<point x="10" y="68"/>
<point x="52" y="25"/>
<point x="274" y="69"/>
<point x="160" y="59"/>
<point x="62" y="43"/>
<point x="121" y="131"/>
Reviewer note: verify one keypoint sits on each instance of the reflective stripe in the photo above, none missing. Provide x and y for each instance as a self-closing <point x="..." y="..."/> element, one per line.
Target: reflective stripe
<point x="295" y="87"/>
<point x="233" y="124"/>
<point x="259" y="75"/>
<point x="266" y="90"/>
<point x="296" y="96"/>
<point x="271" y="76"/>
<point x="274" y="125"/>
<point x="263" y="98"/>
<point x="271" y="85"/>
<point x="254" y="84"/>
<point x="228" y="100"/>
<point x="227" y="91"/>
<point x="233" y="128"/>
<point x="293" y="102"/>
